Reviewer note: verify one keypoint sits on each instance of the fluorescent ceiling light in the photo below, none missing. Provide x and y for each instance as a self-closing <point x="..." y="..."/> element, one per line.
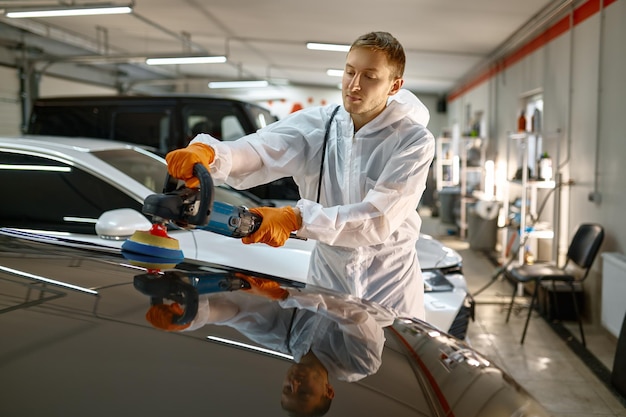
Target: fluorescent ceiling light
<point x="239" y="84"/>
<point x="249" y="347"/>
<point x="334" y="72"/>
<point x="48" y="168"/>
<point x="328" y="47"/>
<point x="79" y="220"/>
<point x="68" y="11"/>
<point x="186" y="60"/>
<point x="47" y="280"/>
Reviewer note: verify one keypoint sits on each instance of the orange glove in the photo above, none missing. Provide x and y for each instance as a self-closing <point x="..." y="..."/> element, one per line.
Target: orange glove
<point x="180" y="162"/>
<point x="277" y="224"/>
<point x="161" y="316"/>
<point x="265" y="287"/>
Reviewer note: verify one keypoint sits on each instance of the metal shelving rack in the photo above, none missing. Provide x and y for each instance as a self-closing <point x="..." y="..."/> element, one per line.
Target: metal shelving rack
<point x="519" y="142"/>
<point x="470" y="176"/>
<point x="446" y="165"/>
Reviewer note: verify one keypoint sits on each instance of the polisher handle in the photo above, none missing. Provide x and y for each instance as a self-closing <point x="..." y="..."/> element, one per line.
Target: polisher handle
<point x="171" y="287"/>
<point x="206" y="196"/>
<point x="168" y="204"/>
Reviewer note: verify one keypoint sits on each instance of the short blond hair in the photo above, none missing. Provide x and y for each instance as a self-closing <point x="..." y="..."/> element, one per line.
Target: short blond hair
<point x="390" y="46"/>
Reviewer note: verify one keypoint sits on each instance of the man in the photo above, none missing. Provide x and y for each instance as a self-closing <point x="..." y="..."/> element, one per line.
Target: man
<point x="369" y="177"/>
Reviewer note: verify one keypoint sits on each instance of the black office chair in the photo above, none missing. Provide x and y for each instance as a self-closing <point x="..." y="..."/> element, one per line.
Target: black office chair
<point x="582" y="251"/>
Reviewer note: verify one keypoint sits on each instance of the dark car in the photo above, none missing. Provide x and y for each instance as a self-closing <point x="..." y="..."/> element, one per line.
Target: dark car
<point x="163" y="123"/>
<point x="76" y="342"/>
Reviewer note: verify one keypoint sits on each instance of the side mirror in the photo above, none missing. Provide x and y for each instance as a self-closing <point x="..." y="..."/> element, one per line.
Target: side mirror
<point x="120" y="224"/>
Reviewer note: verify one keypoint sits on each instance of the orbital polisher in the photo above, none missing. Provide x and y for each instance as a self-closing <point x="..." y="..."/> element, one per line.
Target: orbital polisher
<point x="186" y="208"/>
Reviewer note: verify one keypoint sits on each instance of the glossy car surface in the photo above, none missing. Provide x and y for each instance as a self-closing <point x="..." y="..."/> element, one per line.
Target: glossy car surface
<point x="76" y="343"/>
<point x="72" y="187"/>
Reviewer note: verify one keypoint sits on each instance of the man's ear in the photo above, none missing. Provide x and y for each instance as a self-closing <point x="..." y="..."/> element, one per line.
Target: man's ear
<point x="330" y="391"/>
<point x="396" y="86"/>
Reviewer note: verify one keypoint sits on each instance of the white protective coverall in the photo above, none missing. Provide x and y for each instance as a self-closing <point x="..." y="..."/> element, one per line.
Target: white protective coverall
<point x="366" y="224"/>
<point x="347" y="337"/>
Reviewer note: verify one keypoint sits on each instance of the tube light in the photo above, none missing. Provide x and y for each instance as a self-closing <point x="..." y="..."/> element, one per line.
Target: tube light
<point x="47" y="280"/>
<point x="328" y="47"/>
<point x="238" y="84"/>
<point x="49" y="168"/>
<point x="334" y="72"/>
<point x="249" y="347"/>
<point x="186" y="60"/>
<point x="72" y="11"/>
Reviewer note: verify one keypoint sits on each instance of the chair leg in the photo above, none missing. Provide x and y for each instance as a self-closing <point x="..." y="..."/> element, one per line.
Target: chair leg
<point x="508" y="314"/>
<point x="555" y="303"/>
<point x="580" y="321"/>
<point x="530" y="310"/>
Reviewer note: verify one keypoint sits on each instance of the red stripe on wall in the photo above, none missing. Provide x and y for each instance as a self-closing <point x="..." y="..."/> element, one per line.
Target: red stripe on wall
<point x="580" y="14"/>
<point x="586" y="10"/>
<point x="557" y="29"/>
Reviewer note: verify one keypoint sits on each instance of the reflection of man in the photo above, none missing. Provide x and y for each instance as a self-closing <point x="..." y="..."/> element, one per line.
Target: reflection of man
<point x="328" y="336"/>
<point x="306" y="388"/>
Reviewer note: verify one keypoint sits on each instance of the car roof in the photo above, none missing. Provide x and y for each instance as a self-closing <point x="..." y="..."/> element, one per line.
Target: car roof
<point x="64" y="144"/>
<point x="133" y="99"/>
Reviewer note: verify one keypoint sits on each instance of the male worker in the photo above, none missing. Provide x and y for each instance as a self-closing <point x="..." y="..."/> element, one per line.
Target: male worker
<point x="368" y="178"/>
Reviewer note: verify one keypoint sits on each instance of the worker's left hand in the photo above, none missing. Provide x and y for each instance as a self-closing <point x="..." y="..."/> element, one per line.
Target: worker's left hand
<point x="277" y="225"/>
<point x="161" y="316"/>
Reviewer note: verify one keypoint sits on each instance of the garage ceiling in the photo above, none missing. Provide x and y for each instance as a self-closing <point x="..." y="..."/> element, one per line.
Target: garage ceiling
<point x="444" y="39"/>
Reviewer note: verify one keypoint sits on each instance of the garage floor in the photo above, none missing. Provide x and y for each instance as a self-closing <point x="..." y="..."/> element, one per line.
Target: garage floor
<point x="569" y="380"/>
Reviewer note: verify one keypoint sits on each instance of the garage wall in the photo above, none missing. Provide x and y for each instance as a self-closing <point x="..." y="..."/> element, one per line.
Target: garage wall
<point x="53" y="86"/>
<point x="10" y="107"/>
<point x="10" y="100"/>
<point x="581" y="76"/>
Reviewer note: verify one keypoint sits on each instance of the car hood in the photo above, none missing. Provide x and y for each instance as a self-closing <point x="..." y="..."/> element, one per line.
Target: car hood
<point x="433" y="254"/>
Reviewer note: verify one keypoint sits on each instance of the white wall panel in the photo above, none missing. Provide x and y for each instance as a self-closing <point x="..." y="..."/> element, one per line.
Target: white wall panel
<point x="53" y="86"/>
<point x="612" y="155"/>
<point x="10" y="108"/>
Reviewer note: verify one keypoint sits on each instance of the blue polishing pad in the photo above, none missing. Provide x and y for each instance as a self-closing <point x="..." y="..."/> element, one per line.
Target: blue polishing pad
<point x="151" y="257"/>
<point x="152" y="251"/>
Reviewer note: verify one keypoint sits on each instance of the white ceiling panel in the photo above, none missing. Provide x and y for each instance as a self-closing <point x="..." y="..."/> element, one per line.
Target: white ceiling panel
<point x="443" y="39"/>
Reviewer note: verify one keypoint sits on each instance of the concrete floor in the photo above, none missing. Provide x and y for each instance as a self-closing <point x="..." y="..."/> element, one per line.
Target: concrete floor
<point x="568" y="379"/>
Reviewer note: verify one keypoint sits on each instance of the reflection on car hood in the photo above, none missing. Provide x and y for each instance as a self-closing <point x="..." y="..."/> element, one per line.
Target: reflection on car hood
<point x="86" y="321"/>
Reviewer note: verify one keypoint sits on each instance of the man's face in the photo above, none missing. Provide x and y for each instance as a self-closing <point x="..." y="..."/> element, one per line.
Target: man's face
<point x="304" y="387"/>
<point x="367" y="83"/>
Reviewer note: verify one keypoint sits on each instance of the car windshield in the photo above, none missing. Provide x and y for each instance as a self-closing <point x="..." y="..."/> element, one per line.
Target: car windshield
<point x="151" y="171"/>
<point x="142" y="166"/>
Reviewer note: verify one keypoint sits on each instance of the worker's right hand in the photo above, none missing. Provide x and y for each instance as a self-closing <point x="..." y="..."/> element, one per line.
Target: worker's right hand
<point x="277" y="225"/>
<point x="161" y="316"/>
<point x="264" y="287"/>
<point x="180" y="162"/>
